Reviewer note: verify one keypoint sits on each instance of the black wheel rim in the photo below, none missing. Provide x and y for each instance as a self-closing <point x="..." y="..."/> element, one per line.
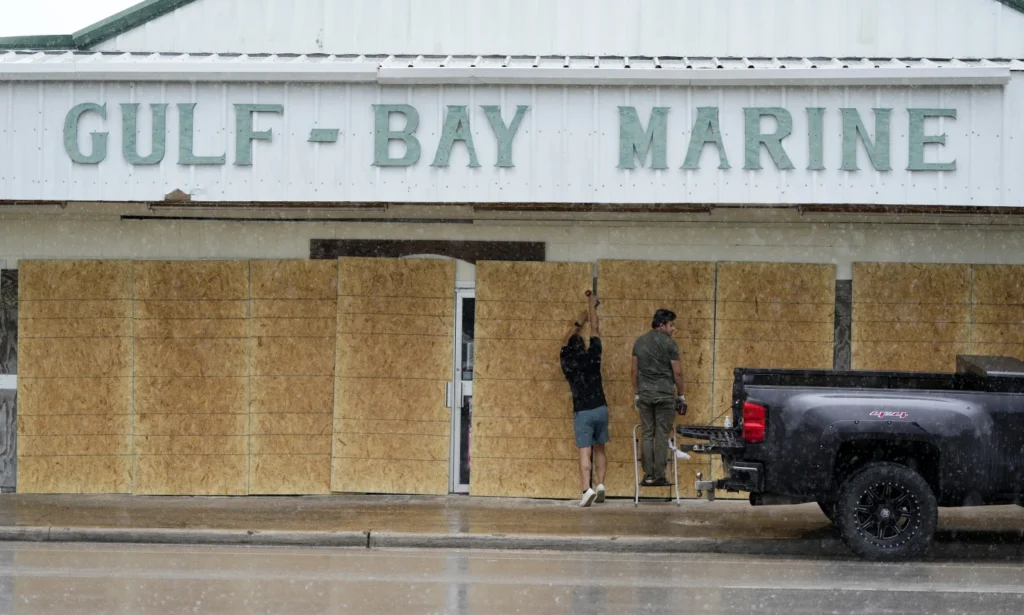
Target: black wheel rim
<point x="887" y="513"/>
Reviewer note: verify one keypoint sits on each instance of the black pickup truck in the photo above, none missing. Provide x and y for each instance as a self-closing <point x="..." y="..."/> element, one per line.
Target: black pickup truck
<point x="878" y="451"/>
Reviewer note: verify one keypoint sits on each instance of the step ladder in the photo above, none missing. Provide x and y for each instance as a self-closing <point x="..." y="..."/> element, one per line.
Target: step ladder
<point x="637" y="433"/>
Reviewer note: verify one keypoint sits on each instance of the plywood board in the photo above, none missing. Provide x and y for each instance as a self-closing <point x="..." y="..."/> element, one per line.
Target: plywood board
<point x="908" y="356"/>
<point x="292" y="424"/>
<point x="68" y="474"/>
<point x="191" y="280"/>
<point x="191" y="328"/>
<point x="910" y="317"/>
<point x="75" y="357"/>
<point x="525" y="478"/>
<point x="294" y="308"/>
<point x="770" y="315"/>
<point x="189" y="395"/>
<point x="290" y="474"/>
<point x="412" y="476"/>
<point x="292" y="394"/>
<point x="911" y="283"/>
<point x="395" y="356"/>
<point x="190" y="425"/>
<point x="404" y="306"/>
<point x="74" y="280"/>
<point x="783" y="282"/>
<point x="74" y="327"/>
<point x="98" y="396"/>
<point x="191" y="445"/>
<point x="205" y="358"/>
<point x="31" y="310"/>
<point x="523" y="310"/>
<point x="184" y="309"/>
<point x="73" y="445"/>
<point x="294" y="279"/>
<point x="730" y="354"/>
<point x="293" y="327"/>
<point x="293" y="356"/>
<point x="534" y="312"/>
<point x="385" y="399"/>
<point x="191" y="474"/>
<point x="510" y="399"/>
<point x="391" y="427"/>
<point x="74" y="424"/>
<point x="538" y="282"/>
<point x="881" y="331"/>
<point x="656" y="280"/>
<point x="403" y="427"/>
<point x="290" y="444"/>
<point x="396" y="278"/>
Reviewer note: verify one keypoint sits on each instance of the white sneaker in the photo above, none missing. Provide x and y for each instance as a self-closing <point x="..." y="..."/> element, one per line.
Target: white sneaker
<point x="588" y="498"/>
<point x="600" y="494"/>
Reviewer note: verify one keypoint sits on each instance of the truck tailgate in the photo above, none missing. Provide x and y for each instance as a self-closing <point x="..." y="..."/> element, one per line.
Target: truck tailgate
<point x="716" y="440"/>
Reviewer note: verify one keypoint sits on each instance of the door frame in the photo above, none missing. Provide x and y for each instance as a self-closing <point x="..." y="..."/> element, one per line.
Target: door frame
<point x="457" y="389"/>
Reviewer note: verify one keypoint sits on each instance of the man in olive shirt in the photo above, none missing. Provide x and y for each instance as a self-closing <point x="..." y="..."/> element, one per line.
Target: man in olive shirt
<point x="658" y="390"/>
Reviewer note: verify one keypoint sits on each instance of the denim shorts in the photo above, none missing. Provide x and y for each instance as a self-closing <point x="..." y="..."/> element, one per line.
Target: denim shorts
<point x="591" y="427"/>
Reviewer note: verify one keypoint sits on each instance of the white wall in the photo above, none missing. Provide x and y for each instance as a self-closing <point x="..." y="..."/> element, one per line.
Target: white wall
<point x="780" y="237"/>
<point x="873" y="28"/>
<point x="566" y="150"/>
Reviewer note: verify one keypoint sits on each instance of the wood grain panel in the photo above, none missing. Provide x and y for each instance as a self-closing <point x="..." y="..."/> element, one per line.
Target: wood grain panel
<point x="73" y="280"/>
<point x="75" y="387"/>
<point x="292" y="362"/>
<point x="523" y="310"/>
<point x="997" y="310"/>
<point x="394" y="352"/>
<point x="910" y="316"/>
<point x="192" y="369"/>
<point x="771" y="315"/>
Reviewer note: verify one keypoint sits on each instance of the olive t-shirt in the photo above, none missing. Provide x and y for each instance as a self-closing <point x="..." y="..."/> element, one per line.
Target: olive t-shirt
<point x="654" y="352"/>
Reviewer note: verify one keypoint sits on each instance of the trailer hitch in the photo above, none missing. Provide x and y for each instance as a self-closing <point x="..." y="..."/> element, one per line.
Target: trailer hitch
<point x="705" y="485"/>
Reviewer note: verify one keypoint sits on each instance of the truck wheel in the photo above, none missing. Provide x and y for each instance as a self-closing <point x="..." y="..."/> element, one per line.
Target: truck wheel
<point x="886" y="512"/>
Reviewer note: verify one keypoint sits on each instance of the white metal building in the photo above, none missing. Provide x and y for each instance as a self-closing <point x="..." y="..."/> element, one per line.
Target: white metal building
<point x="796" y="131"/>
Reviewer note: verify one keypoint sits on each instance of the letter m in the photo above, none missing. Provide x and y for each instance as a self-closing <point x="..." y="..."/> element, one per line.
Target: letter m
<point x="635" y="142"/>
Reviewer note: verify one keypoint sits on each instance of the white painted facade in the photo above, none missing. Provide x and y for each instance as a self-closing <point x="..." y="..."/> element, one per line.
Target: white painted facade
<point x="567" y="149"/>
<point x="859" y="28"/>
<point x="90" y="231"/>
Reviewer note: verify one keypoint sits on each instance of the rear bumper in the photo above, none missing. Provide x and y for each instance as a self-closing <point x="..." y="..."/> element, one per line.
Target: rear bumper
<point x="743" y="476"/>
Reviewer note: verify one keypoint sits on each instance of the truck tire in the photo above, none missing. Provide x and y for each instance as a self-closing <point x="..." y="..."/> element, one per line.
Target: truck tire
<point x="886" y="513"/>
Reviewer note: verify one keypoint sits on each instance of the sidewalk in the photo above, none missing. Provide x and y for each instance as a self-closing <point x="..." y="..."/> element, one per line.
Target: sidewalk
<point x="384" y="521"/>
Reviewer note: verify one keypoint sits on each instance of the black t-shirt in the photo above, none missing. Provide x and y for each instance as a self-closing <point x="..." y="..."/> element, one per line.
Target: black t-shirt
<point x="583" y="371"/>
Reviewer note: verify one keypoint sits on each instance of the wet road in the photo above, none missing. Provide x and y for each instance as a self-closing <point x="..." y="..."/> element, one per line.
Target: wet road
<point x="84" y="579"/>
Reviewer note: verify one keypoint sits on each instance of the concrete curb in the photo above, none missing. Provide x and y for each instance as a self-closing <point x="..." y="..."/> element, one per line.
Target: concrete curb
<point x="175" y="536"/>
<point x="800" y="547"/>
<point x="604" y="544"/>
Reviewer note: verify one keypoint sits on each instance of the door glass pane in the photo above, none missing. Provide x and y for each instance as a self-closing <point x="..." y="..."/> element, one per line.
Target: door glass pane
<point x="466" y="371"/>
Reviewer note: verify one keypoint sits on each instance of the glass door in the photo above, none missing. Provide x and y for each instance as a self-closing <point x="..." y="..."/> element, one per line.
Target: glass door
<point x="462" y="387"/>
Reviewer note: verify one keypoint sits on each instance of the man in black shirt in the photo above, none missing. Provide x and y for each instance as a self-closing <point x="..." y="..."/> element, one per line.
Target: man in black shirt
<point x="582" y="368"/>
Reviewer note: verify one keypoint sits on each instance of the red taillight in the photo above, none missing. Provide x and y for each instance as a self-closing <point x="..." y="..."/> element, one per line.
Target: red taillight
<point x="755" y="421"/>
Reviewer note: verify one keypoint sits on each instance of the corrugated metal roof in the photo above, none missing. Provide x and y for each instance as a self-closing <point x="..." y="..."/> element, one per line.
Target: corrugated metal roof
<point x="506" y="61"/>
<point x="492" y="69"/>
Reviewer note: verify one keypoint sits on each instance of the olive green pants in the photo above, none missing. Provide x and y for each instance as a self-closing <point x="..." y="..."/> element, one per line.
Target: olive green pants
<point x="657" y="416"/>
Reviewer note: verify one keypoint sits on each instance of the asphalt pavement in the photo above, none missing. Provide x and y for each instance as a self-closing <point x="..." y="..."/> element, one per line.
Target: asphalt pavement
<point x="87" y="579"/>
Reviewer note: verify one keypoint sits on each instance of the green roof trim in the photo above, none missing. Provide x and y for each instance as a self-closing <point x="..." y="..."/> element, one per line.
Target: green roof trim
<point x="1014" y="4"/>
<point x="101" y="31"/>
